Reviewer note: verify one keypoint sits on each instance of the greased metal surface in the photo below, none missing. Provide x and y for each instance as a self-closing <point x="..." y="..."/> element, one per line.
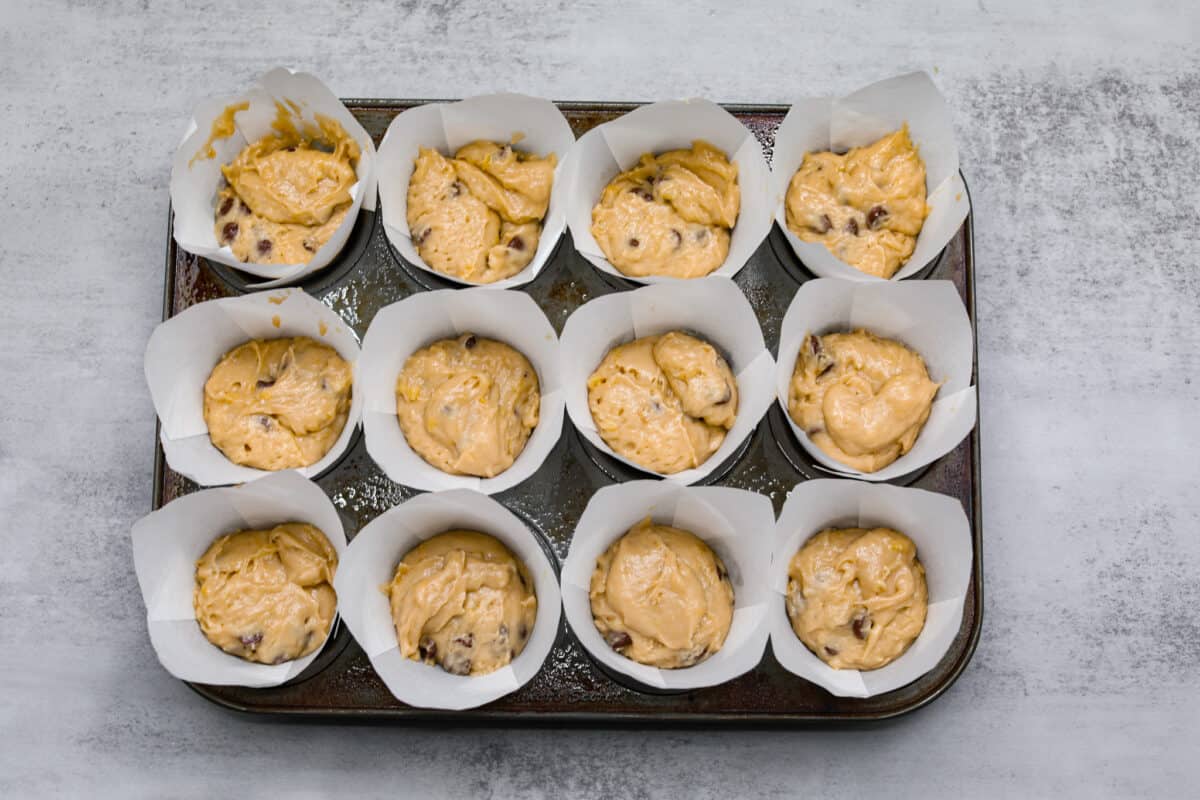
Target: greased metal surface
<point x="570" y="688"/>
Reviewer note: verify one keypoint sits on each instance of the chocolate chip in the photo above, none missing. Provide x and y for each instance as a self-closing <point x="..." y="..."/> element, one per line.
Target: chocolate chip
<point x="722" y="573"/>
<point x="470" y="342"/>
<point x="225" y="206"/>
<point x="290" y="149"/>
<point x="265" y="384"/>
<point x="823" y="224"/>
<point x="427" y="649"/>
<point x="252" y="641"/>
<point x="466" y="640"/>
<point x="456" y="189"/>
<point x="677" y="238"/>
<point x="830" y="651"/>
<point x="814" y="344"/>
<point x="421" y="236"/>
<point x="618" y="640"/>
<point x="861" y="624"/>
<point x="516" y="243"/>
<point x="310" y="246"/>
<point x="264" y="246"/>
<point x="634" y="242"/>
<point x="852" y="226"/>
<point x="875" y="216"/>
<point x="243" y="208"/>
<point x="265" y="421"/>
<point x="522" y="632"/>
<point x="229" y="232"/>
<point x="644" y="194"/>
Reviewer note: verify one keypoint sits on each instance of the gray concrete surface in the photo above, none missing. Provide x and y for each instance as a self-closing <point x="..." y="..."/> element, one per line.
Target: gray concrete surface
<point x="1078" y="125"/>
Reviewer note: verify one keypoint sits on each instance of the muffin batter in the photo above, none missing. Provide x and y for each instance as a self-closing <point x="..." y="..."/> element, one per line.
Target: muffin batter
<point x="267" y="595"/>
<point x="857" y="597"/>
<point x="860" y="398"/>
<point x="866" y="206"/>
<point x="287" y="193"/>
<point x="468" y="405"/>
<point x="462" y="600"/>
<point x="663" y="402"/>
<point x="669" y="215"/>
<point x="277" y="403"/>
<point x="478" y="216"/>
<point x="661" y="597"/>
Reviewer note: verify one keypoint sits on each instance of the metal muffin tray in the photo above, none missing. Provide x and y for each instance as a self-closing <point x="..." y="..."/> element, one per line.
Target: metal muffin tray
<point x="571" y="688"/>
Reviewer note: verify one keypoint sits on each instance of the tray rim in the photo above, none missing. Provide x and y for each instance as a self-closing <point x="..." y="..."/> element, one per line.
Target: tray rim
<point x="485" y="717"/>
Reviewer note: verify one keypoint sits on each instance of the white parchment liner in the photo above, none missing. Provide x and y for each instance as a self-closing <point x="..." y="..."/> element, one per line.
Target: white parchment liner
<point x="181" y="355"/>
<point x="926" y="316"/>
<point x="168" y="542"/>
<point x="937" y="525"/>
<point x="614" y="147"/>
<point x="370" y="564"/>
<point x="194" y="186"/>
<point x="823" y="123"/>
<point x="713" y="308"/>
<point x="735" y="523"/>
<point x="445" y="127"/>
<point x="402" y="328"/>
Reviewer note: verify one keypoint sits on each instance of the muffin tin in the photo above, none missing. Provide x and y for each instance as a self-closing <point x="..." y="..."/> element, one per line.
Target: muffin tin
<point x="571" y="688"/>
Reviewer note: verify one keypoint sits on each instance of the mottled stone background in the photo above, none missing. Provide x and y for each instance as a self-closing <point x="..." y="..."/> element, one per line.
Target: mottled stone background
<point x="1078" y="125"/>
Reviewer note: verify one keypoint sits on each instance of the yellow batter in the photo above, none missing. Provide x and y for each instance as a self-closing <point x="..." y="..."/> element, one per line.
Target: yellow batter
<point x="663" y="402"/>
<point x="860" y="398"/>
<point x="468" y="405"/>
<point x="287" y="193"/>
<point x="478" y="216"/>
<point x="462" y="600"/>
<point x="661" y="597"/>
<point x="267" y="595"/>
<point x="866" y="206"/>
<point x="277" y="403"/>
<point x="857" y="597"/>
<point x="669" y="215"/>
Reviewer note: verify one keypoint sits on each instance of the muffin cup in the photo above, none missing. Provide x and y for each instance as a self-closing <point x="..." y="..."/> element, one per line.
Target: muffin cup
<point x="419" y="320"/>
<point x="537" y="124"/>
<point x="822" y="123"/>
<point x="181" y="355"/>
<point x="735" y="523"/>
<point x="168" y="542"/>
<point x="937" y="525"/>
<point x="194" y="184"/>
<point x="713" y="308"/>
<point x="370" y="564"/>
<point x="614" y="147"/>
<point x="928" y="317"/>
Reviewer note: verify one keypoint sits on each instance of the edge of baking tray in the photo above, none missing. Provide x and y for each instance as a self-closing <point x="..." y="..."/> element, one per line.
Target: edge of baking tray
<point x="484" y="717"/>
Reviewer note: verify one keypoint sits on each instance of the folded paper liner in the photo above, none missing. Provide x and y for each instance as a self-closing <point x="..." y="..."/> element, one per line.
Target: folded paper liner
<point x="937" y="525"/>
<point x="181" y="355"/>
<point x="926" y="316"/>
<point x="712" y="308"/>
<point x="614" y="147"/>
<point x="196" y="181"/>
<point x="532" y="124"/>
<point x="168" y="542"/>
<point x="735" y="523"/>
<point x="400" y="329"/>
<point x="370" y="564"/>
<point x="819" y="124"/>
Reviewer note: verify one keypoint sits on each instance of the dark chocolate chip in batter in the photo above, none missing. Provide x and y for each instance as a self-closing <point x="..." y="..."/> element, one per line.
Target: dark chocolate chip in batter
<point x="252" y="640"/>
<point x="676" y="238"/>
<point x="466" y="640"/>
<point x="420" y="236"/>
<point x="427" y="648"/>
<point x="310" y="246"/>
<point x="861" y="624"/>
<point x="264" y="246"/>
<point x="634" y="242"/>
<point x="830" y="651"/>
<point x="644" y="194"/>
<point x="470" y="341"/>
<point x="618" y="640"/>
<point x="265" y="421"/>
<point x="456" y="189"/>
<point x="522" y="632"/>
<point x="852" y="226"/>
<point x="243" y="208"/>
<point x="823" y="224"/>
<point x="229" y="232"/>
<point x="875" y="216"/>
<point x="516" y="243"/>
<point x="225" y="206"/>
<point x="265" y="384"/>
